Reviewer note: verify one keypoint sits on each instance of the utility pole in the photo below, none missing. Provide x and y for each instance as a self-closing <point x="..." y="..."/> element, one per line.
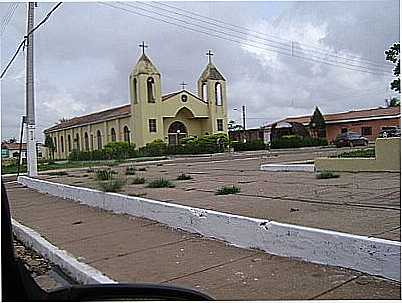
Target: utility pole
<point x="244" y="122"/>
<point x="30" y="101"/>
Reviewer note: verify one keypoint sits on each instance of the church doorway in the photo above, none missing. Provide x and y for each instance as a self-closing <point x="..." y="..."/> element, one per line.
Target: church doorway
<point x="176" y="132"/>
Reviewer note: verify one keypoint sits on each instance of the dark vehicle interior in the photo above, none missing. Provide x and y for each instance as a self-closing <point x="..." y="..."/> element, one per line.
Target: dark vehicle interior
<point x="18" y="284"/>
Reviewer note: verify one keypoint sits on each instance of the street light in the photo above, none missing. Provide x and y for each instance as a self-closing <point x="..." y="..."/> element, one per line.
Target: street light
<point x="244" y="121"/>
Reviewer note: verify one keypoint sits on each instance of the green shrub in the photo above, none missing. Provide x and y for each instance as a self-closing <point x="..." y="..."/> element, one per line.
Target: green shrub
<point x="293" y="141"/>
<point x="159" y="183"/>
<point x="130" y="170"/>
<point x="360" y="153"/>
<point x="142" y="169"/>
<point x="104" y="174"/>
<point x="184" y="177"/>
<point x="138" y="180"/>
<point x="228" y="190"/>
<point x="113" y="185"/>
<point x="137" y="194"/>
<point x="119" y="150"/>
<point x="326" y="175"/>
<point x="155" y="148"/>
<point x="252" y="145"/>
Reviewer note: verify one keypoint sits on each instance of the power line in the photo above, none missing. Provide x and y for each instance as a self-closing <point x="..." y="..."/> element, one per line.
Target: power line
<point x="26" y="37"/>
<point x="287" y="48"/>
<point x="9" y="15"/>
<point x="319" y="60"/>
<point x="256" y="34"/>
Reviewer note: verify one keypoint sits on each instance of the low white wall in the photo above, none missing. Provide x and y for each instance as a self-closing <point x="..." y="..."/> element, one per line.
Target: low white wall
<point x="80" y="272"/>
<point x="370" y="255"/>
<point x="288" y="167"/>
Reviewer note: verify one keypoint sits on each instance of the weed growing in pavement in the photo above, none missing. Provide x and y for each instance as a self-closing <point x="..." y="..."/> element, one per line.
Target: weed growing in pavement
<point x="138" y="180"/>
<point x="113" y="185"/>
<point x="104" y="174"/>
<point x="184" y="177"/>
<point x="130" y="170"/>
<point x="326" y="175"/>
<point x="228" y="190"/>
<point x="142" y="169"/>
<point x="161" y="182"/>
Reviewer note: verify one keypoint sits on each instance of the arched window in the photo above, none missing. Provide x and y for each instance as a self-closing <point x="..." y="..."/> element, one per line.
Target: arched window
<point x="177" y="131"/>
<point x="126" y="134"/>
<point x="204" y="91"/>
<point x="113" y="134"/>
<point x="62" y="144"/>
<point x="86" y="141"/>
<point x="218" y="93"/>
<point x="77" y="141"/>
<point x="135" y="90"/>
<point x="151" y="90"/>
<point x="99" y="139"/>
<point x="69" y="142"/>
<point x="55" y="144"/>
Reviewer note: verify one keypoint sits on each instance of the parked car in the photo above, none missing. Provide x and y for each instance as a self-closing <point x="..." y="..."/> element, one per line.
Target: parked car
<point x="391" y="131"/>
<point x="350" y="139"/>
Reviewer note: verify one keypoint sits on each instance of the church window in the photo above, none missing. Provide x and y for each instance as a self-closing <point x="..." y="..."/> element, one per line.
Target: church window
<point x="151" y="90"/>
<point x="69" y="142"/>
<point x="113" y="134"/>
<point x="152" y="125"/>
<point x="99" y="139"/>
<point x="220" y="124"/>
<point x="77" y="141"/>
<point x="86" y="139"/>
<point x="62" y="144"/>
<point x="126" y="134"/>
<point x="218" y="93"/>
<point x="204" y="91"/>
<point x="55" y="144"/>
<point x="135" y="90"/>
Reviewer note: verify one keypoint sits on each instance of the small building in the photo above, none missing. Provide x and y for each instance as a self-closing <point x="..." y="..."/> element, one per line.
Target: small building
<point x="150" y="115"/>
<point x="367" y="122"/>
<point x="252" y="134"/>
<point x="11" y="150"/>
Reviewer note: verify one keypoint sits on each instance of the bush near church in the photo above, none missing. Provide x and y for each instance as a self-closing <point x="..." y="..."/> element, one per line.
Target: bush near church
<point x="294" y="141"/>
<point x="112" y="150"/>
<point x="246" y="146"/>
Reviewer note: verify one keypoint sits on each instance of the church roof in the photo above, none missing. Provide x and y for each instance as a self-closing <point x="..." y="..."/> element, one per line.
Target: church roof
<point x="165" y="97"/>
<point x="108" y="114"/>
<point x="144" y="66"/>
<point x="211" y="73"/>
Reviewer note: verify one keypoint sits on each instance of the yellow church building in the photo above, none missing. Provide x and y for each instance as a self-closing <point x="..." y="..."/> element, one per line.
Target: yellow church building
<point x="150" y="115"/>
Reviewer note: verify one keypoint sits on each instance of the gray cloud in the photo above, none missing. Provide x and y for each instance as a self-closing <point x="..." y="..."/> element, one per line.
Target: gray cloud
<point x="86" y="51"/>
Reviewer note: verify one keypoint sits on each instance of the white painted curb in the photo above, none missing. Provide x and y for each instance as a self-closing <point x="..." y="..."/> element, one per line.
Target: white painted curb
<point x="80" y="272"/>
<point x="288" y="167"/>
<point x="370" y="255"/>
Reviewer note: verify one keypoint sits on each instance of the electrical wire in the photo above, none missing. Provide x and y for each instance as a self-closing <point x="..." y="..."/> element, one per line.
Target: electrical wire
<point x="285" y="41"/>
<point x="26" y="37"/>
<point x="253" y="44"/>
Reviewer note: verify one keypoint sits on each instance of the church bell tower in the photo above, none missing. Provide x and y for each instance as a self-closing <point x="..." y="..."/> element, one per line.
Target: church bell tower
<point x="145" y="98"/>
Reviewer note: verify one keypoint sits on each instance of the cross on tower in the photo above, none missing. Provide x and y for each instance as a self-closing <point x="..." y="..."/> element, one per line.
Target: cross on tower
<point x="143" y="46"/>
<point x="209" y="54"/>
<point x="183" y="85"/>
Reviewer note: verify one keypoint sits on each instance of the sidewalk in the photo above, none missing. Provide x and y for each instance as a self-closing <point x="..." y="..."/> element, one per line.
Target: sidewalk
<point x="136" y="250"/>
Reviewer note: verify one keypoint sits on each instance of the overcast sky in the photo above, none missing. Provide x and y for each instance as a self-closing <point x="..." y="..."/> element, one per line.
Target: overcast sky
<point x="85" y="52"/>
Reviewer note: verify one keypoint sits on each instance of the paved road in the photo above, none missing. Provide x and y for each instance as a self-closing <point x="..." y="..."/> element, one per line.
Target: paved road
<point x="131" y="249"/>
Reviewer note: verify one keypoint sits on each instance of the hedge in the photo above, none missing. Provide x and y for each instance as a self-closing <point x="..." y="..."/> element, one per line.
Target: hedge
<point x="252" y="145"/>
<point x="296" y="141"/>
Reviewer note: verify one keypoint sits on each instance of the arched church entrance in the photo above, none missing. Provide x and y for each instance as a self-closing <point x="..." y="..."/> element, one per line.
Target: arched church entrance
<point x="177" y="131"/>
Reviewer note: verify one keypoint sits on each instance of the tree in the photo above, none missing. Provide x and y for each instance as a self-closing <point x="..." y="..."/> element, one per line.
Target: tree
<point x="393" y="55"/>
<point x="317" y="124"/>
<point x="394" y="102"/>
<point x="50" y="145"/>
<point x="232" y="126"/>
